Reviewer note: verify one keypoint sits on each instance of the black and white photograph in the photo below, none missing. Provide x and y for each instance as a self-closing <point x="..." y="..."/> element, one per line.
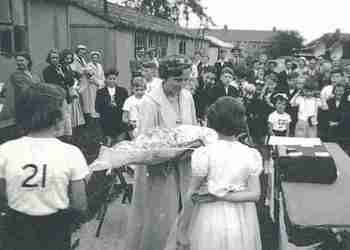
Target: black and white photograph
<point x="174" y="125"/>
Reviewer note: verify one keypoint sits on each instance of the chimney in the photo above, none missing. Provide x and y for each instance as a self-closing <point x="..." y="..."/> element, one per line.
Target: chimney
<point x="225" y="27"/>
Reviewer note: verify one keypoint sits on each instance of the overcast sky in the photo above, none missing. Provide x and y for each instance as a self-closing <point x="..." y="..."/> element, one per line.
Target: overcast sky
<point x="311" y="18"/>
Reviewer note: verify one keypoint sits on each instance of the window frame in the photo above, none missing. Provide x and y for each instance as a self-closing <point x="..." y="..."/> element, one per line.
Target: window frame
<point x="182" y="47"/>
<point x="10" y="18"/>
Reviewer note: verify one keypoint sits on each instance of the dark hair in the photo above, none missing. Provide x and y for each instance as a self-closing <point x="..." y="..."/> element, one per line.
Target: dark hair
<point x="135" y="83"/>
<point x="272" y="76"/>
<point x="209" y="69"/>
<point x="111" y="72"/>
<point x="39" y="107"/>
<point x="27" y="56"/>
<point x="293" y="75"/>
<point x="227" y="70"/>
<point x="173" y="66"/>
<point x="337" y="71"/>
<point x="64" y="53"/>
<point x="52" y="51"/>
<point x="227" y="116"/>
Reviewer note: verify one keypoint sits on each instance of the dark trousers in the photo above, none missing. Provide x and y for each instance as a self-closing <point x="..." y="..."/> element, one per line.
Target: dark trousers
<point x="279" y="133"/>
<point x="24" y="232"/>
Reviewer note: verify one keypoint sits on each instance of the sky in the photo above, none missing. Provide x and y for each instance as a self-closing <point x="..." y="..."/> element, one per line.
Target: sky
<point x="312" y="18"/>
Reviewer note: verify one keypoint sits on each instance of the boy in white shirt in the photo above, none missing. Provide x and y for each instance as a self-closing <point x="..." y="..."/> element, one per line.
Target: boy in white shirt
<point x="41" y="178"/>
<point x="148" y="69"/>
<point x="308" y="106"/>
<point x="279" y="120"/>
<point x="131" y="105"/>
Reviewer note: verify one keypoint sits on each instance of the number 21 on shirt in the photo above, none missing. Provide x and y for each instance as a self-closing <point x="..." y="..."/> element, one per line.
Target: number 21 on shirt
<point x="36" y="176"/>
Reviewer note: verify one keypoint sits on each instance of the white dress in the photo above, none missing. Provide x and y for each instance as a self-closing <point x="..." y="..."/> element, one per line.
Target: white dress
<point x="224" y="225"/>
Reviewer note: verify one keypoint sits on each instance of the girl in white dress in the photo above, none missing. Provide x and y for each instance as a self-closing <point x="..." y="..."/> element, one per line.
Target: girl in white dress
<point x="219" y="210"/>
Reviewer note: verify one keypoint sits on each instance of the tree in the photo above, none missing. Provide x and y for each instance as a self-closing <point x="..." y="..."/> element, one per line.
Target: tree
<point x="170" y="10"/>
<point x="283" y="43"/>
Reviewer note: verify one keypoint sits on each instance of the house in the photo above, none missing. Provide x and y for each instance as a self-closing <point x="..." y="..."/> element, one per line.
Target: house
<point x="119" y="32"/>
<point x="333" y="46"/>
<point x="250" y="41"/>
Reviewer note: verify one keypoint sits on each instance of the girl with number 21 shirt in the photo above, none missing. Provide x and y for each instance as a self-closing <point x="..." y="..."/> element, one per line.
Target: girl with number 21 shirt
<point x="41" y="178"/>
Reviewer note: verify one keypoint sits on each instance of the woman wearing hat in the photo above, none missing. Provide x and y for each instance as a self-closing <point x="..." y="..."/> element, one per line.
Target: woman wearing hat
<point x="79" y="65"/>
<point x="96" y="81"/>
<point x="158" y="189"/>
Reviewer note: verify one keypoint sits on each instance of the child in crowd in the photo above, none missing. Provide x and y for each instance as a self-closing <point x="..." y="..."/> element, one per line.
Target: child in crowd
<point x="308" y="106"/>
<point x="295" y="84"/>
<point x="219" y="208"/>
<point x="269" y="89"/>
<point x="109" y="104"/>
<point x="279" y="120"/>
<point x="130" y="107"/>
<point x="44" y="188"/>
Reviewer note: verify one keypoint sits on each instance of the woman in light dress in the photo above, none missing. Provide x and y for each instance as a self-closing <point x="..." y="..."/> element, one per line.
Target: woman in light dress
<point x="159" y="190"/>
<point x="219" y="211"/>
<point x="96" y="81"/>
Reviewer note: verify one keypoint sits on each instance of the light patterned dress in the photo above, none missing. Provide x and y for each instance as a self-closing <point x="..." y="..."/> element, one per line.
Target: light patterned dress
<point x="223" y="225"/>
<point x="159" y="189"/>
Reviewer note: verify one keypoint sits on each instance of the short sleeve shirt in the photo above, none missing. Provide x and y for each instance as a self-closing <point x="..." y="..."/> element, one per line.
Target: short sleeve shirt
<point x="280" y="122"/>
<point x="37" y="180"/>
<point x="226" y="166"/>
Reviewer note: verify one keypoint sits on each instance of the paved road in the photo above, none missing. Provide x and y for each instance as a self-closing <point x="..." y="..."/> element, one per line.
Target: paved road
<point x="113" y="230"/>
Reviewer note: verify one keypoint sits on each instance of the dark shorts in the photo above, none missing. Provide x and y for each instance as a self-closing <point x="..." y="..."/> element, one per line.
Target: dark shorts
<point x="279" y="133"/>
<point x="24" y="232"/>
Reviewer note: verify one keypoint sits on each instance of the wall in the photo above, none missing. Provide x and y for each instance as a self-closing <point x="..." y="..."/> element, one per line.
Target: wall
<point x="125" y="50"/>
<point x="79" y="16"/>
<point x="48" y="28"/>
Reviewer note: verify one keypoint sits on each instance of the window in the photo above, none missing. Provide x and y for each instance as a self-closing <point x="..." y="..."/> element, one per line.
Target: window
<point x="5" y="40"/>
<point x="163" y="45"/>
<point x="13" y="30"/>
<point x="182" y="47"/>
<point x="140" y="42"/>
<point x="5" y="11"/>
<point x="13" y="38"/>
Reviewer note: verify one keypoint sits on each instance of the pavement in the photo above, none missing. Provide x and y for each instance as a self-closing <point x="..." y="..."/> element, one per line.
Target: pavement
<point x="113" y="230"/>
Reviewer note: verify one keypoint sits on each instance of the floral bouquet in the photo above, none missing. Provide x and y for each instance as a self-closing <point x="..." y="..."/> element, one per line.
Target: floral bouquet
<point x="153" y="147"/>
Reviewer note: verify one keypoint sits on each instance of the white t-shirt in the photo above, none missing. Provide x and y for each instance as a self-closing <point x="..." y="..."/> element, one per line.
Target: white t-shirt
<point x="131" y="105"/>
<point x="307" y="107"/>
<point x="155" y="83"/>
<point x="326" y="93"/>
<point x="280" y="122"/>
<point x="38" y="172"/>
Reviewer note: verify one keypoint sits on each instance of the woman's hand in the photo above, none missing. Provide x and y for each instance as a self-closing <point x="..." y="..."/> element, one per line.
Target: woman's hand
<point x="203" y="198"/>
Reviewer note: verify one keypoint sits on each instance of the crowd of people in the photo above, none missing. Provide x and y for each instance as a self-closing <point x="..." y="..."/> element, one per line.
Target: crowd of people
<point x="289" y="97"/>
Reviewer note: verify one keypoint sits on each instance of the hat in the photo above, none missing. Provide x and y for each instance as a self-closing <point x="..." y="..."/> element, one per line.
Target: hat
<point x="280" y="96"/>
<point x="227" y="70"/>
<point x="149" y="64"/>
<point x="272" y="62"/>
<point x="173" y="66"/>
<point x="95" y="52"/>
<point x="81" y="46"/>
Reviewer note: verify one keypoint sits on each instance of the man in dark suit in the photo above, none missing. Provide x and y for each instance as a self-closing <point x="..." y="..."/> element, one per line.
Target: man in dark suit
<point x="221" y="63"/>
<point x="109" y="104"/>
<point x="282" y="85"/>
<point x="223" y="87"/>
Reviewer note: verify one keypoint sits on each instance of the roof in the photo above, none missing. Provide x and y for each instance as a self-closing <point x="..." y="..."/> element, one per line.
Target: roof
<point x="131" y="18"/>
<point x="229" y="35"/>
<point x="343" y="37"/>
<point x="218" y="42"/>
